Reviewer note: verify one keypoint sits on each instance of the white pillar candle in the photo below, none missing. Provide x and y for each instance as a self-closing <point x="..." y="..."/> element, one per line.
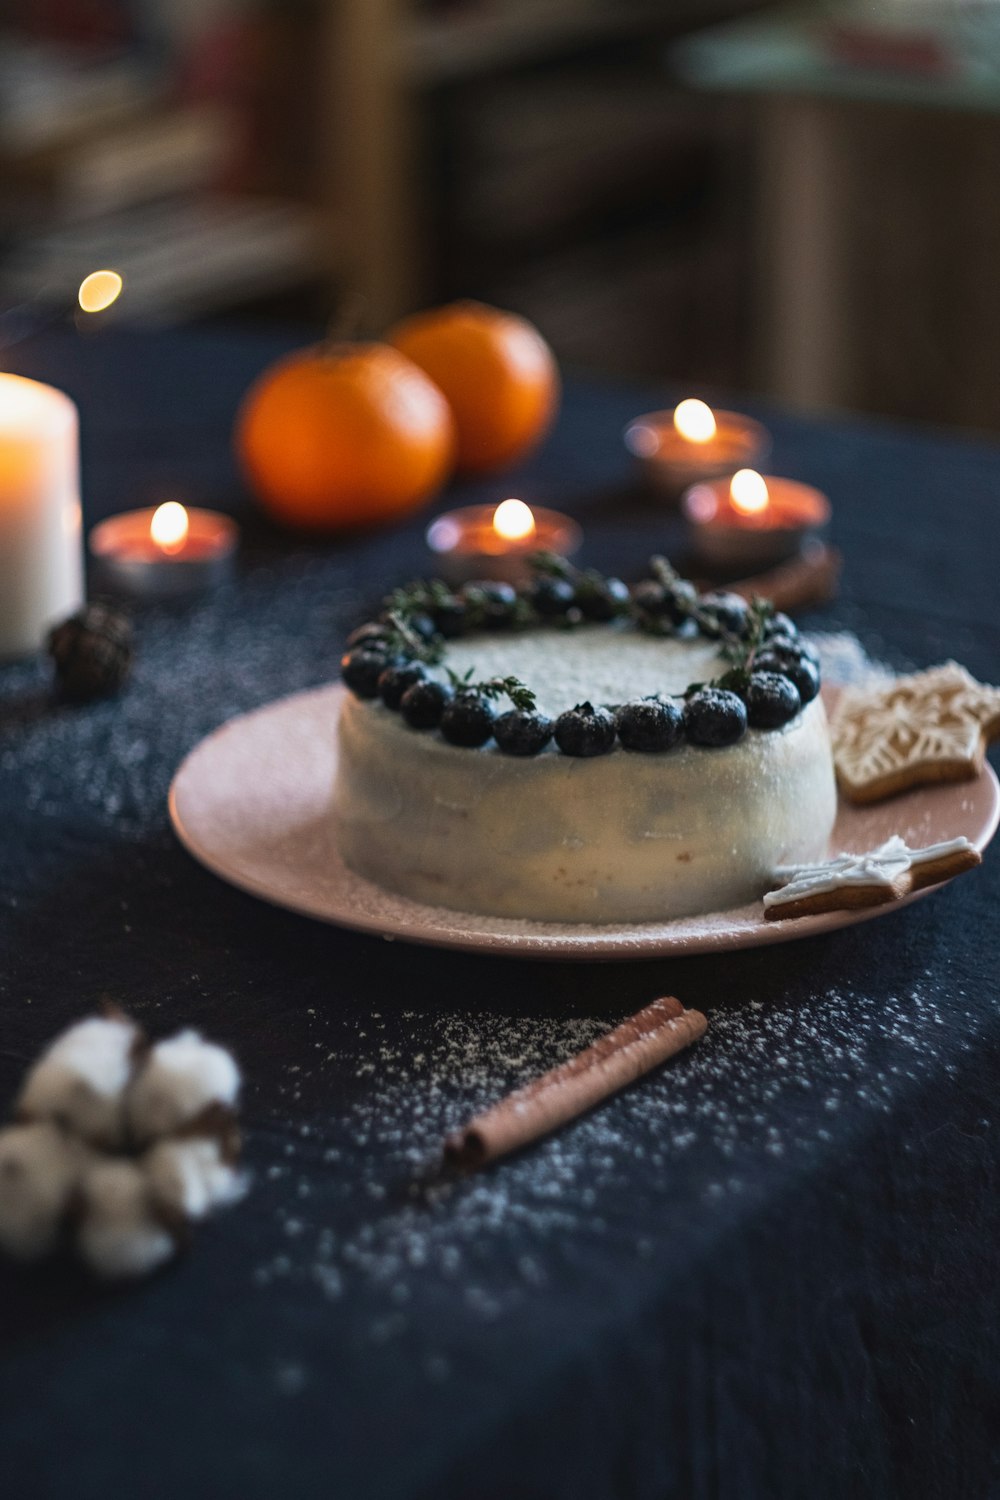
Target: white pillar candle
<point x="41" y="549"/>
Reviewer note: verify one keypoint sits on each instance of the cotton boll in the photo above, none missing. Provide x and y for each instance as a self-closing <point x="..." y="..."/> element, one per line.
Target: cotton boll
<point x="189" y="1178"/>
<point x="39" y="1169"/>
<point x="79" y="1082"/>
<point x="119" y="1234"/>
<point x="182" y="1078"/>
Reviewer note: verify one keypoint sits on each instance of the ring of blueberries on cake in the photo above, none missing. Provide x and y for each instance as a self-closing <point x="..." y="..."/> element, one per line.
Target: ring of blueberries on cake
<point x="771" y="674"/>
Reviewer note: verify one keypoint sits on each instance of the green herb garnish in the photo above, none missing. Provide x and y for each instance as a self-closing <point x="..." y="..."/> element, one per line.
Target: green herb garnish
<point x="493" y="688"/>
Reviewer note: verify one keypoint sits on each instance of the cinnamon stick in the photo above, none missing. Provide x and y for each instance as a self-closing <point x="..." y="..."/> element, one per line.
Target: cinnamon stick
<point x="615" y="1060"/>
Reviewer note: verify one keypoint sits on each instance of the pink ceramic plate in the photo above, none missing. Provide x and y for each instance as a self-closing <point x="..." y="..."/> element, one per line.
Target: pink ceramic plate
<point x="250" y="802"/>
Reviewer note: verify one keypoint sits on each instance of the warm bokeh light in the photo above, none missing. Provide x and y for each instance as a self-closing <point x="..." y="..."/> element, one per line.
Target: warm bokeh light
<point x="642" y="440"/>
<point x="169" y="526"/>
<point x="513" y="520"/>
<point x="748" y="492"/>
<point x="694" y="421"/>
<point x="99" y="290"/>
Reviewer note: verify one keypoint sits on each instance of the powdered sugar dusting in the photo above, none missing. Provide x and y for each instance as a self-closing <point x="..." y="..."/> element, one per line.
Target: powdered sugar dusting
<point x="844" y="661"/>
<point x="350" y="1202"/>
<point x="768" y="1081"/>
<point x="195" y="667"/>
<point x="568" y="667"/>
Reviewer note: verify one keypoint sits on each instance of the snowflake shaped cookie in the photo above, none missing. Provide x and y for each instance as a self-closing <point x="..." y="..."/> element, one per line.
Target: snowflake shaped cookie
<point x="853" y="881"/>
<point x="931" y="726"/>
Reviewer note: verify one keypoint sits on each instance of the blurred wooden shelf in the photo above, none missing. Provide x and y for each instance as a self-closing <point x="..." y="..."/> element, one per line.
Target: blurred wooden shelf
<point x="383" y="60"/>
<point x="457" y="45"/>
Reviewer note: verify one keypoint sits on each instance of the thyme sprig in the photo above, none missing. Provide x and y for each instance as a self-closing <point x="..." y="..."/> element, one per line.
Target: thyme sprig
<point x="402" y="637"/>
<point x="743" y="650"/>
<point x="480" y="608"/>
<point x="683" y="601"/>
<point x="406" y="604"/>
<point x="663" y="571"/>
<point x="494" y="687"/>
<point x="421" y="596"/>
<point x="551" y="565"/>
<point x="587" y="584"/>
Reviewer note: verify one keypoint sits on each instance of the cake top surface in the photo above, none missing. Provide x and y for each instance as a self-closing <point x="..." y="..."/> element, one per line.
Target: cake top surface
<point x="605" y="665"/>
<point x="584" y="660"/>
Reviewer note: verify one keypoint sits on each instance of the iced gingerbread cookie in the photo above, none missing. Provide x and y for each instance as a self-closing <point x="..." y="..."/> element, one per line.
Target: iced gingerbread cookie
<point x="929" y="727"/>
<point x="853" y="881"/>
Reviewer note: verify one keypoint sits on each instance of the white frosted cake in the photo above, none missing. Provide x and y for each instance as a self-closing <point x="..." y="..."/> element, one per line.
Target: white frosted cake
<point x="608" y="835"/>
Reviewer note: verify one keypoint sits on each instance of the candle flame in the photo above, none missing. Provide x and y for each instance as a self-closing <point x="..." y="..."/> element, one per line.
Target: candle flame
<point x="694" y="421"/>
<point x="169" y="526"/>
<point x="513" y="520"/>
<point x="748" y="492"/>
<point x="99" y="290"/>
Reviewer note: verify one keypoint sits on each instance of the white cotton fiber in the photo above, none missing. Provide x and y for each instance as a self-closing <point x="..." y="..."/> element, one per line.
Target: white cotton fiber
<point x="40" y="1168"/>
<point x="181" y="1078"/>
<point x="79" y="1081"/>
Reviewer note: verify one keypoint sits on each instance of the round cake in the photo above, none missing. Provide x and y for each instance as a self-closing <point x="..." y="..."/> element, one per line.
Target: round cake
<point x="648" y="766"/>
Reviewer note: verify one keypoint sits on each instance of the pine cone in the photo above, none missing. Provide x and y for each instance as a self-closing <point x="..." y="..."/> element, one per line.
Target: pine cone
<point x="92" y="652"/>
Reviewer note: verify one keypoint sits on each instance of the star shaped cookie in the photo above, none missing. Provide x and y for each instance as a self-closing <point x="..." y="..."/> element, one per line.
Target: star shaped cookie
<point x="853" y="881"/>
<point x="929" y="727"/>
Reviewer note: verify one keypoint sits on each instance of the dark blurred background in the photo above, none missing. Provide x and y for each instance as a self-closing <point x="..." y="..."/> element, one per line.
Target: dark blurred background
<point x="718" y="193"/>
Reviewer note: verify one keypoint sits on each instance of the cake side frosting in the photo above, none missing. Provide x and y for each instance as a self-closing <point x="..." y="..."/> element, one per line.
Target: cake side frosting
<point x="619" y="838"/>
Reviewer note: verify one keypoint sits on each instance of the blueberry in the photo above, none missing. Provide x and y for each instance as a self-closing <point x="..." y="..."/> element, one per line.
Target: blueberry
<point x="362" y="668"/>
<point x="781" y="625"/>
<point x="451" y="618"/>
<point x="772" y="700"/>
<point x="781" y="645"/>
<point x="423" y="704"/>
<point x="723" y="613"/>
<point x="790" y="648"/>
<point x="490" y="602"/>
<point x="602" y="598"/>
<point x="585" y="730"/>
<point x="368" y="634"/>
<point x="794" y="650"/>
<point x="715" y="717"/>
<point x="394" y="681"/>
<point x="467" y="720"/>
<point x="800" y="669"/>
<point x="805" y="675"/>
<point x="682" y="600"/>
<point x="650" y="600"/>
<point x="423" y="626"/>
<point x="673" y="604"/>
<point x="686" y="630"/>
<point x="522" y="732"/>
<point x="649" y="724"/>
<point x="552" y="597"/>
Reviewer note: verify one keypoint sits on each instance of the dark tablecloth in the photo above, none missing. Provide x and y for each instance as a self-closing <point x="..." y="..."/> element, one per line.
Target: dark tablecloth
<point x="769" y="1270"/>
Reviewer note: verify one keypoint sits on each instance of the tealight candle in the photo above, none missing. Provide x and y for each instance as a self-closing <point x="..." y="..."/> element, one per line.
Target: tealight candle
<point x="165" y="551"/>
<point x="677" y="449"/>
<point x="486" y="541"/>
<point x="41" y="553"/>
<point x="752" y="520"/>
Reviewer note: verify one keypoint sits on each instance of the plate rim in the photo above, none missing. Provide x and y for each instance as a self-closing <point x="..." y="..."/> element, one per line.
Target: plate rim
<point x="615" y="943"/>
